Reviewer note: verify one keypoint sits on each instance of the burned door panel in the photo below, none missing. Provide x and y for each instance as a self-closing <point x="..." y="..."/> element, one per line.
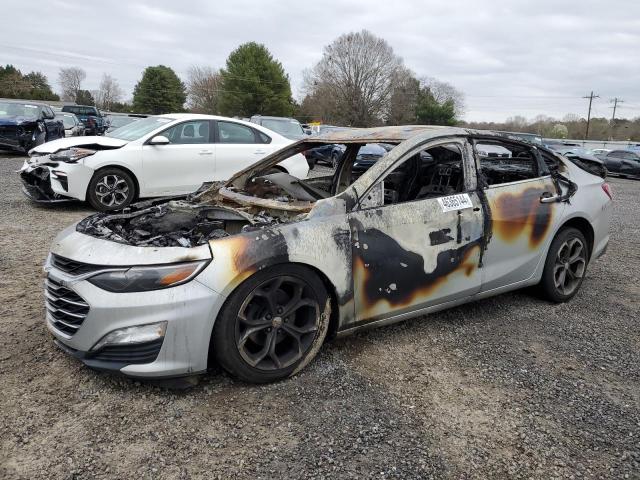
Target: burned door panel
<point x="521" y="228"/>
<point x="413" y="255"/>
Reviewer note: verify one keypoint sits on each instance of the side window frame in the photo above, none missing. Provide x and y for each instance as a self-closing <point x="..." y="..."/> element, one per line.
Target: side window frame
<point x="468" y="170"/>
<point x="257" y="140"/>
<point x="182" y="123"/>
<point x="541" y="169"/>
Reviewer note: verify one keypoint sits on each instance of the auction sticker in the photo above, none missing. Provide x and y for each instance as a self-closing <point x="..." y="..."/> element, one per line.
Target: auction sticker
<point x="455" y="202"/>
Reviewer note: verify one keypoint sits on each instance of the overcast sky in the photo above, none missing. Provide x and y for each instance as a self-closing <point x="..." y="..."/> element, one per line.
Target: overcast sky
<point x="510" y="57"/>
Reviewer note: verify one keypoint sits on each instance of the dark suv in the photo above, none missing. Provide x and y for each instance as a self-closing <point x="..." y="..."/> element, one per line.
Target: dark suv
<point x="90" y="116"/>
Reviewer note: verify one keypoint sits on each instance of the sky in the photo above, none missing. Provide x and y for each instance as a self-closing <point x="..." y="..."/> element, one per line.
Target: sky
<point x="509" y="57"/>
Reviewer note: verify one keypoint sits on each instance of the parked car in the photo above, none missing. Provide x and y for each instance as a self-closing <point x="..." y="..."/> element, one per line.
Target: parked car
<point x="599" y="151"/>
<point x="117" y="120"/>
<point x="622" y="162"/>
<point x="584" y="159"/>
<point x="285" y="126"/>
<point x="328" y="154"/>
<point x="256" y="274"/>
<point x="90" y="116"/>
<point x="26" y="125"/>
<point x="73" y="127"/>
<point x="158" y="156"/>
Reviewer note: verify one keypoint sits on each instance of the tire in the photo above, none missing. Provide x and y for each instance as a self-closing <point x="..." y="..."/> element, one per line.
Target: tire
<point x="334" y="160"/>
<point x="254" y="339"/>
<point x="111" y="189"/>
<point x="565" y="266"/>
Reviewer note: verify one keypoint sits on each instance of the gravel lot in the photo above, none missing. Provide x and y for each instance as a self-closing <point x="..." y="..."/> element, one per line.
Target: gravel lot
<point x="507" y="387"/>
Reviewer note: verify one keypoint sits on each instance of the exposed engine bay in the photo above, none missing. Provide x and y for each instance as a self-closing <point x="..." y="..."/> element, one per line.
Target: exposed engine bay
<point x="196" y="219"/>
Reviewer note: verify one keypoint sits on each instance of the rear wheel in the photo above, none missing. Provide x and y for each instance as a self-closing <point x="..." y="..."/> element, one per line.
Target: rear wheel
<point x="111" y="189"/>
<point x="272" y="325"/>
<point x="565" y="266"/>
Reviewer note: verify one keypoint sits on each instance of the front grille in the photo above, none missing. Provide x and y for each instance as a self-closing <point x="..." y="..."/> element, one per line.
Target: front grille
<point x="72" y="267"/>
<point x="66" y="308"/>
<point x="129" y="354"/>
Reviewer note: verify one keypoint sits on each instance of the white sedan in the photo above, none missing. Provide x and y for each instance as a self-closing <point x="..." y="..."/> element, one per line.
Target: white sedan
<point x="157" y="156"/>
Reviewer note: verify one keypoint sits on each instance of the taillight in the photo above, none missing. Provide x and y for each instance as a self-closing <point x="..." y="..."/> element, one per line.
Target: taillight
<point x="607" y="190"/>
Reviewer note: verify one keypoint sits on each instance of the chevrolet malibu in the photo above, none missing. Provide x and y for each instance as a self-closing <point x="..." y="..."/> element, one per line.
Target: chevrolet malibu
<point x="257" y="273"/>
<point x="158" y="156"/>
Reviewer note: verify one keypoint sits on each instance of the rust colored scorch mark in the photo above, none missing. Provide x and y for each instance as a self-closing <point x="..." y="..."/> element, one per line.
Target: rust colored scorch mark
<point x="514" y="214"/>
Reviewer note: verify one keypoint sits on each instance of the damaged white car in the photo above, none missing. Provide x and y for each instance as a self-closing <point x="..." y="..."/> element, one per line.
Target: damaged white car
<point x="158" y="156"/>
<point x="256" y="274"/>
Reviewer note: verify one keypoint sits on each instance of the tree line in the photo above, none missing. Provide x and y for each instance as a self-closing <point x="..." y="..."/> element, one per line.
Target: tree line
<point x="571" y="126"/>
<point x="359" y="82"/>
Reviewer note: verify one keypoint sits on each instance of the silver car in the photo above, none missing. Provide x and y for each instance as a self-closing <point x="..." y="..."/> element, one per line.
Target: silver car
<point x="258" y="273"/>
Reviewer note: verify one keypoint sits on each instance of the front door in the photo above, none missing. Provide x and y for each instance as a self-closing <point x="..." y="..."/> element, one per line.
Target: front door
<point x="184" y="164"/>
<point x="421" y="245"/>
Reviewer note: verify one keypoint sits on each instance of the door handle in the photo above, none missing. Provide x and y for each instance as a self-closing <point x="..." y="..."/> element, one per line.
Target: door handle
<point x="547" y="197"/>
<point x="259" y="152"/>
<point x="205" y="152"/>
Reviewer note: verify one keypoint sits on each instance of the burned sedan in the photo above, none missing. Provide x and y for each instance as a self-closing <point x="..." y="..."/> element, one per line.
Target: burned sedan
<point x="255" y="274"/>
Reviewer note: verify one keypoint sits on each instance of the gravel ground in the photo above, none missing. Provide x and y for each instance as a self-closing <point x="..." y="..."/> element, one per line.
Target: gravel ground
<point x="506" y="387"/>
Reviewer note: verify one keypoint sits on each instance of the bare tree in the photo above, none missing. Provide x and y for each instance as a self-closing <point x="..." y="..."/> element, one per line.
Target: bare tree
<point x="70" y="79"/>
<point x="203" y="87"/>
<point x="357" y="70"/>
<point x="404" y="98"/>
<point x="108" y="93"/>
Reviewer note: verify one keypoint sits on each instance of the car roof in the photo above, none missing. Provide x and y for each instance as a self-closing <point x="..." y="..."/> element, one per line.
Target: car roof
<point x="272" y="117"/>
<point x="384" y="134"/>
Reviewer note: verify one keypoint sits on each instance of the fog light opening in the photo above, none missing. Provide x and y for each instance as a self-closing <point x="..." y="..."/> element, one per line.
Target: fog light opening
<point x="132" y="335"/>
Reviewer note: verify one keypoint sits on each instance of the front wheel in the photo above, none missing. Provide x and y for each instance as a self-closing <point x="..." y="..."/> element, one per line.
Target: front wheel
<point x="565" y="266"/>
<point x="111" y="189"/>
<point x="272" y="325"/>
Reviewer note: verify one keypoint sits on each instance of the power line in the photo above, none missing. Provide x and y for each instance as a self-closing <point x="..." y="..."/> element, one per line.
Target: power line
<point x="590" y="97"/>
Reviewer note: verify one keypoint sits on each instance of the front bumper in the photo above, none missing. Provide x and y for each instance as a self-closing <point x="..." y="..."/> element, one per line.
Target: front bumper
<point x="37" y="185"/>
<point x="189" y="311"/>
<point x="42" y="184"/>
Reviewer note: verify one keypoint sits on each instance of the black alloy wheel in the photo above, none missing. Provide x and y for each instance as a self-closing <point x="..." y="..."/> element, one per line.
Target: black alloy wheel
<point x="565" y="266"/>
<point x="272" y="324"/>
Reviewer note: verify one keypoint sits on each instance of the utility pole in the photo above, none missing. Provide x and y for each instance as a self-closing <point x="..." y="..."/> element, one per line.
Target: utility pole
<point x="590" y="97"/>
<point x="615" y="101"/>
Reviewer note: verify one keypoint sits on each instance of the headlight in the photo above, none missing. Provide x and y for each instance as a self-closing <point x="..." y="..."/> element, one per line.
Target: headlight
<point x="143" y="279"/>
<point x="72" y="155"/>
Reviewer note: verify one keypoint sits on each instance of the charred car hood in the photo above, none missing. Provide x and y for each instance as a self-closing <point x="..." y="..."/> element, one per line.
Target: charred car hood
<point x="93" y="142"/>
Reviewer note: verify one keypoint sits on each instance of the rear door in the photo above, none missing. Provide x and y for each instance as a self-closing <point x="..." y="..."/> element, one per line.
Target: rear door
<point x="519" y="224"/>
<point x="184" y="164"/>
<point x="237" y="147"/>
